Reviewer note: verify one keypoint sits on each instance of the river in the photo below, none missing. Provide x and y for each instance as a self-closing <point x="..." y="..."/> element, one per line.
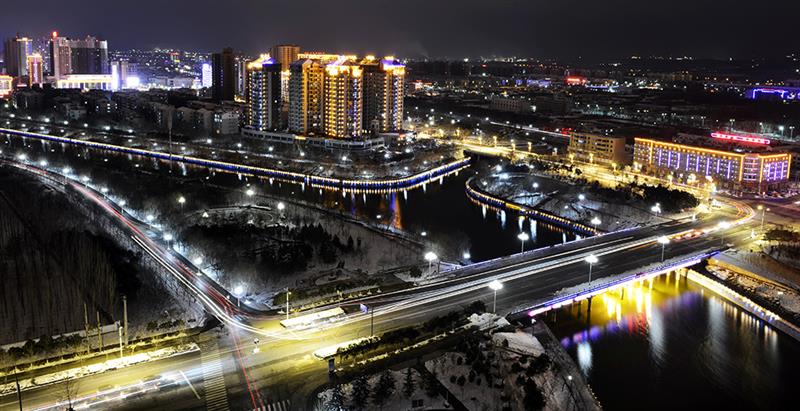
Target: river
<point x="677" y="345"/>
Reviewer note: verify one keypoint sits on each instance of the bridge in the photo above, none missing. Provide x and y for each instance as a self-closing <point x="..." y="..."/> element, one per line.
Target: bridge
<point x="533" y="282"/>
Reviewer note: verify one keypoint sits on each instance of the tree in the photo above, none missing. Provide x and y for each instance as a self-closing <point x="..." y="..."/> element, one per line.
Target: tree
<point x="430" y="383"/>
<point x="408" y="384"/>
<point x="384" y="388"/>
<point x="67" y="392"/>
<point x="360" y="392"/>
<point x="533" y="399"/>
<point x="336" y="402"/>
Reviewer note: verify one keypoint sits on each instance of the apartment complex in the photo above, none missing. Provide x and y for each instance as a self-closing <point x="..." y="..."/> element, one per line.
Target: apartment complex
<point x="306" y="81"/>
<point x="384" y="82"/>
<point x="735" y="169"/>
<point x="597" y="149"/>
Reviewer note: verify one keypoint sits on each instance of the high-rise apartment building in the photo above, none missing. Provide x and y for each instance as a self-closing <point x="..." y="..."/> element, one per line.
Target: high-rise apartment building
<point x="223" y="70"/>
<point x="263" y="94"/>
<point x="15" y="54"/>
<point x="285" y="55"/>
<point x="35" y="69"/>
<point x="206" y="76"/>
<point x="384" y="86"/>
<point x="343" y="98"/>
<point x="306" y="84"/>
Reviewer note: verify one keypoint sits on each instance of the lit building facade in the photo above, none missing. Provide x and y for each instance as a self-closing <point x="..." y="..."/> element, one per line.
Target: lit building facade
<point x="86" y="82"/>
<point x="263" y="94"/>
<point x="35" y="69"/>
<point x="597" y="149"/>
<point x="6" y="85"/>
<point x="306" y="83"/>
<point x="60" y="56"/>
<point x="384" y="89"/>
<point x="343" y="99"/>
<point x="747" y="171"/>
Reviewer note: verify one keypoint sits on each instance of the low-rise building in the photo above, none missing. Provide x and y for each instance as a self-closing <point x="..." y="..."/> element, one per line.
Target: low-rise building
<point x="6" y="85"/>
<point x="513" y="105"/>
<point x="226" y="122"/>
<point x="608" y="151"/>
<point x="734" y="167"/>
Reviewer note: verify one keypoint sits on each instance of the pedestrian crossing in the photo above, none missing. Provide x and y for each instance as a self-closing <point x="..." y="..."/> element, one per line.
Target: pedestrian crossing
<point x="215" y="391"/>
<point x="284" y="405"/>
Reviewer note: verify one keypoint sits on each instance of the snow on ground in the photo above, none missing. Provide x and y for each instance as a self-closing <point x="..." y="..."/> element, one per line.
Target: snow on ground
<point x="566" y="200"/>
<point x="785" y="297"/>
<point x="398" y="401"/>
<point x="519" y="342"/>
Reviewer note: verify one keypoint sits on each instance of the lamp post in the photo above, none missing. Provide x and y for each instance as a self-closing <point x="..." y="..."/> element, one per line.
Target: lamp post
<point x="723" y="225"/>
<point x="663" y="240"/>
<point x="763" y="213"/>
<point x="495" y="286"/>
<point x="595" y="222"/>
<point x="181" y="201"/>
<point x="168" y="238"/>
<point x="523" y="237"/>
<point x="592" y="259"/>
<point x="430" y="257"/>
<point x="288" y="293"/>
<point x="238" y="293"/>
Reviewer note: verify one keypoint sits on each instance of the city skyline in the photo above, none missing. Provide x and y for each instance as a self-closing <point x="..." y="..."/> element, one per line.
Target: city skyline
<point x="416" y="29"/>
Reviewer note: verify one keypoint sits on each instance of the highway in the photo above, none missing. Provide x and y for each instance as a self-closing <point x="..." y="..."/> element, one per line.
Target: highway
<point x="284" y="355"/>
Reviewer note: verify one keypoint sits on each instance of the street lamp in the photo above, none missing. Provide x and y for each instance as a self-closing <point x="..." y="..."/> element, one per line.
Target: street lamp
<point x="181" y="201"/>
<point x="763" y="213"/>
<point x="495" y="286"/>
<point x="592" y="259"/>
<point x="723" y="225"/>
<point x="237" y="291"/>
<point x="581" y="197"/>
<point x="430" y="257"/>
<point x="466" y="255"/>
<point x="656" y="209"/>
<point x="595" y="222"/>
<point x="168" y="238"/>
<point x="523" y="237"/>
<point x="663" y="240"/>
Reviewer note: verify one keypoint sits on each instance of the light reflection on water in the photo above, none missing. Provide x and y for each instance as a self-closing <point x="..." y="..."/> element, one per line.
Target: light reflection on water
<point x="670" y="343"/>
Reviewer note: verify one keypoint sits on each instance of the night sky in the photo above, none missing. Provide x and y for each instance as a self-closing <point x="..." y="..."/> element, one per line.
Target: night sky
<point x="591" y="29"/>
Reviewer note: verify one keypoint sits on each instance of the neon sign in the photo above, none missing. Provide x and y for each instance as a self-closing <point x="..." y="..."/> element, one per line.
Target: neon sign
<point x="741" y="139"/>
<point x="787" y="93"/>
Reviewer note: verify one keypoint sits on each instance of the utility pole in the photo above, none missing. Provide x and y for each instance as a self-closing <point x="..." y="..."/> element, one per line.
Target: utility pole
<point x="86" y="328"/>
<point x="125" y="316"/>
<point x="119" y="336"/>
<point x="99" y="334"/>
<point x="19" y="392"/>
<point x="287" y="302"/>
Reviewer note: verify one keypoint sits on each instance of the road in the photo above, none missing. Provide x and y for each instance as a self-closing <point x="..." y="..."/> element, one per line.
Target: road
<point x="284" y="358"/>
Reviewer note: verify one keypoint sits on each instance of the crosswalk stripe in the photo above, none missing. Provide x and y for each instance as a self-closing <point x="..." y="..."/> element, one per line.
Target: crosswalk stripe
<point x="213" y="380"/>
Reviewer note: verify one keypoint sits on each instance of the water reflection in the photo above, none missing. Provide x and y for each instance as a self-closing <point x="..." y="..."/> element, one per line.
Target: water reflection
<point x="669" y="343"/>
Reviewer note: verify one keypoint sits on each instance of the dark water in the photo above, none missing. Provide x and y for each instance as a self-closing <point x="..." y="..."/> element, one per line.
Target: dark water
<point x="452" y="224"/>
<point x="678" y="346"/>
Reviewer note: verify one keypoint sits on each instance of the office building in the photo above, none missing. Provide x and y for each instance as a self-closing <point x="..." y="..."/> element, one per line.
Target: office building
<point x="263" y="94"/>
<point x="306" y="84"/>
<point x="597" y="149"/>
<point x="6" y="85"/>
<point x="15" y="55"/>
<point x="60" y="56"/>
<point x="729" y="167"/>
<point x="88" y="56"/>
<point x="35" y="69"/>
<point x="343" y="99"/>
<point x="384" y="84"/>
<point x="119" y="74"/>
<point x="223" y="71"/>
<point x="206" y="76"/>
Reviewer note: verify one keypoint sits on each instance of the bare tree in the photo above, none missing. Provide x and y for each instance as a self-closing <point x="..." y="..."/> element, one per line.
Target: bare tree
<point x="68" y="391"/>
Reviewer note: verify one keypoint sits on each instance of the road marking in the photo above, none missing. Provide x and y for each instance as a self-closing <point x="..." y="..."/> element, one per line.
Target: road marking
<point x="213" y="381"/>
